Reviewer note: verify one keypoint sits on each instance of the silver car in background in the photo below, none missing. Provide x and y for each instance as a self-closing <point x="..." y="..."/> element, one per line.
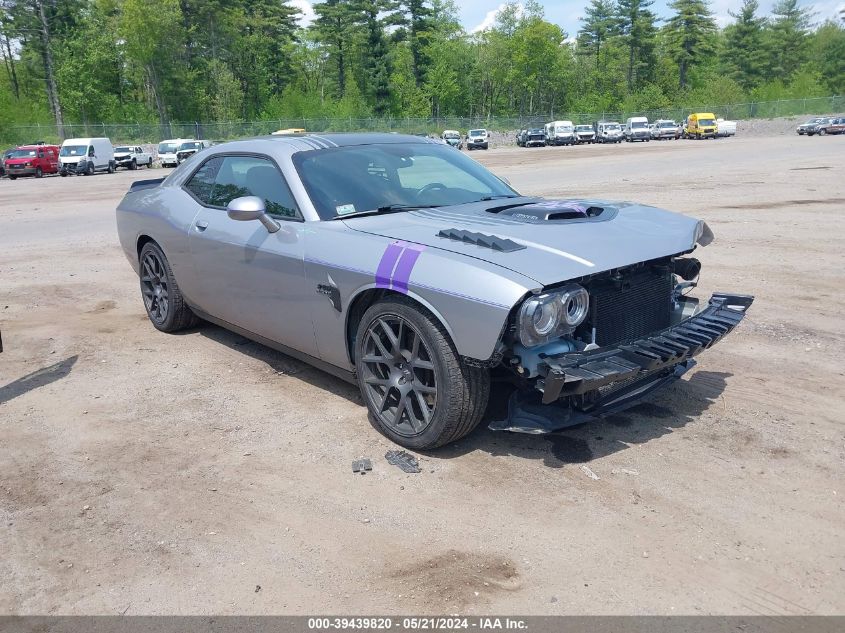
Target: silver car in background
<point x="407" y="268"/>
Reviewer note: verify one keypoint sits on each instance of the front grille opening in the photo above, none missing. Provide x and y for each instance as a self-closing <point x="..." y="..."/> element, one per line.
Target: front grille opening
<point x="628" y="306"/>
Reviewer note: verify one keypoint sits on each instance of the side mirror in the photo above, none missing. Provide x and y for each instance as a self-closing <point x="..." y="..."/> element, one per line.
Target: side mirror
<point x="250" y="208"/>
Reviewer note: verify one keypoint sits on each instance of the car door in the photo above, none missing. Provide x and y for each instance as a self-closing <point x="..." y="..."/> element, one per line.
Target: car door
<point x="246" y="275"/>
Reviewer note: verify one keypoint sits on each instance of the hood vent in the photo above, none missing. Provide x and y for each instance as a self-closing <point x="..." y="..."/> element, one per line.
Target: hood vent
<point x="554" y="211"/>
<point x="480" y="239"/>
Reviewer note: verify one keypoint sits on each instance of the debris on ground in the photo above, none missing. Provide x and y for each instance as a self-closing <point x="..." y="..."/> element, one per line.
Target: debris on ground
<point x="624" y="471"/>
<point x="404" y="460"/>
<point x="362" y="465"/>
<point x="589" y="472"/>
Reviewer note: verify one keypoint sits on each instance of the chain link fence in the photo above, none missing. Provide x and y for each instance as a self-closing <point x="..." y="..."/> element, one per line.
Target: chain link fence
<point x="153" y="133"/>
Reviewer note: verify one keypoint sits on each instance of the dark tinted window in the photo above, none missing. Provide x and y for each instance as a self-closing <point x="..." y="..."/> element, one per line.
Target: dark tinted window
<point x="201" y="184"/>
<point x="250" y="176"/>
<point x="222" y="179"/>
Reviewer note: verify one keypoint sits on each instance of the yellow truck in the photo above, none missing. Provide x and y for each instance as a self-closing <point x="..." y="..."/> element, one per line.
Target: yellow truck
<point x="700" y="125"/>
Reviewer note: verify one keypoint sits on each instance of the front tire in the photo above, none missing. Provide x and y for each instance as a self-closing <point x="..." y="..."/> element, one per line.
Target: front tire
<point x="418" y="391"/>
<point x="163" y="301"/>
<point x="38" y="172"/>
<point x="133" y="165"/>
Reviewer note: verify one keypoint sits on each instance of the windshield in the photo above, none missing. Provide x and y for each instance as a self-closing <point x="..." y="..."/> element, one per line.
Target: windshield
<point x="123" y="150"/>
<point x="536" y="131"/>
<point x="638" y="124"/>
<point x="451" y="135"/>
<point x="21" y="153"/>
<point x="584" y="128"/>
<point x="191" y="145"/>
<point x="707" y="122"/>
<point x="357" y="178"/>
<point x="612" y="126"/>
<point x="667" y="124"/>
<point x="563" y="128"/>
<point x="166" y="148"/>
<point x="73" y="150"/>
<point x="477" y="132"/>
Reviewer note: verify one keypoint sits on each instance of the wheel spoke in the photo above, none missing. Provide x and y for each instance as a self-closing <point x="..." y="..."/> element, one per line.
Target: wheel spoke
<point x="400" y="408"/>
<point x="413" y="420"/>
<point x="375" y="380"/>
<point x="422" y="364"/>
<point x="418" y="386"/>
<point x="391" y="336"/>
<point x="426" y="412"/>
<point x="381" y="360"/>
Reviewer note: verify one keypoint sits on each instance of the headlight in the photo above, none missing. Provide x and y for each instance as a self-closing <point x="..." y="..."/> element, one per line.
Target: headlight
<point x="551" y="315"/>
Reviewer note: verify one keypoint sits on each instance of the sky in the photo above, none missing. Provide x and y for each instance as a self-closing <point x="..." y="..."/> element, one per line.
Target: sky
<point x="479" y="14"/>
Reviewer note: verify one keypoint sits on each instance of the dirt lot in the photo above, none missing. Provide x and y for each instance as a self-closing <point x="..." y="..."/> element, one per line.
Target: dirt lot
<point x="143" y="473"/>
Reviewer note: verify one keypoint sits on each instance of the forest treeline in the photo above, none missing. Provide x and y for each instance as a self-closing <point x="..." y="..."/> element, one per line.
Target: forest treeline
<point x="79" y="61"/>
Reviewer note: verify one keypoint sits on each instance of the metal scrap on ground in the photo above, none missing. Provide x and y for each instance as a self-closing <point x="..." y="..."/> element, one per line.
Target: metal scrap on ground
<point x="405" y="461"/>
<point x="362" y="466"/>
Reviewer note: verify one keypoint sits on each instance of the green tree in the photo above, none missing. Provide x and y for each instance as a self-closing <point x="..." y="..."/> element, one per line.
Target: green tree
<point x="599" y="25"/>
<point x="786" y="39"/>
<point x="333" y="27"/>
<point x="743" y="55"/>
<point x="690" y="33"/>
<point x="638" y="34"/>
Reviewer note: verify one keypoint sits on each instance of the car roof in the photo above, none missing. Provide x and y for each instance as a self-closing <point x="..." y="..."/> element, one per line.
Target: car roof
<point x="305" y="142"/>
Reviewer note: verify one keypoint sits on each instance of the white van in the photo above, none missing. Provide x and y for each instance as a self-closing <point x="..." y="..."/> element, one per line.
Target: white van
<point x="86" y="156"/>
<point x="167" y="151"/>
<point x="560" y="133"/>
<point x="636" y="129"/>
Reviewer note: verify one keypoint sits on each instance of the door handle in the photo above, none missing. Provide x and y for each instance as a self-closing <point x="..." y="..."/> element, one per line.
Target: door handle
<point x="201" y="225"/>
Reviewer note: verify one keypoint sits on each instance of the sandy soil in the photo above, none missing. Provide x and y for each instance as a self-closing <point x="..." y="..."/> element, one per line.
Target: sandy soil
<point x="143" y="473"/>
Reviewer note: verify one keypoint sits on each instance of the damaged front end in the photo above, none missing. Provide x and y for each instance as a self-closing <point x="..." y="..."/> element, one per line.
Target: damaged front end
<point x="601" y="344"/>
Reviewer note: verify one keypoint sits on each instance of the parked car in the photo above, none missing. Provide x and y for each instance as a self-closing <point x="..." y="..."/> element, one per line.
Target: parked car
<point x="535" y="137"/>
<point x="3" y="158"/>
<point x="636" y="129"/>
<point x="132" y="157"/>
<point x="478" y="139"/>
<point x="810" y="127"/>
<point x="422" y="274"/>
<point x="32" y="160"/>
<point x="85" y="156"/>
<point x="520" y="138"/>
<point x="560" y="133"/>
<point x="189" y="147"/>
<point x="665" y="129"/>
<point x="700" y="125"/>
<point x="608" y="132"/>
<point x="836" y="126"/>
<point x="725" y="128"/>
<point x="585" y="134"/>
<point x="453" y="138"/>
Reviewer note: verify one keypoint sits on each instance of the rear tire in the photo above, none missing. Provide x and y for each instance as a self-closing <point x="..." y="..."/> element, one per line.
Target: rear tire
<point x="416" y="363"/>
<point x="163" y="301"/>
<point x="13" y="177"/>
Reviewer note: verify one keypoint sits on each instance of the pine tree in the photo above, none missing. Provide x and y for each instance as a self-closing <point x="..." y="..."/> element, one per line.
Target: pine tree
<point x="333" y="26"/>
<point x="599" y="24"/>
<point x="690" y="34"/>
<point x="415" y="18"/>
<point x="372" y="15"/>
<point x="743" y="55"/>
<point x="636" y="27"/>
<point x="787" y="39"/>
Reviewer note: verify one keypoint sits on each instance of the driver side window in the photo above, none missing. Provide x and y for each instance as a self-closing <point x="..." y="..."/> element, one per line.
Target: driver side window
<point x="224" y="178"/>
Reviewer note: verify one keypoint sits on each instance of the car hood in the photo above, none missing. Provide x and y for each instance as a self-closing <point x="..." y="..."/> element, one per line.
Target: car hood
<point x="526" y="237"/>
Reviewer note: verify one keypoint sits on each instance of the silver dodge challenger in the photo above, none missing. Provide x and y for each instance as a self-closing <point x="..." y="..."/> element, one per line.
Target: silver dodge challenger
<point x="406" y="267"/>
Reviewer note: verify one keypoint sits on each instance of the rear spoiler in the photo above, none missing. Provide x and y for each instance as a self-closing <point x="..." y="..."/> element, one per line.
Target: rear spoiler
<point x="140" y="185"/>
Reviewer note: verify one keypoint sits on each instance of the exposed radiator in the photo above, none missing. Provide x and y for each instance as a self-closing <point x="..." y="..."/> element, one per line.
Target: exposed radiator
<point x="635" y="306"/>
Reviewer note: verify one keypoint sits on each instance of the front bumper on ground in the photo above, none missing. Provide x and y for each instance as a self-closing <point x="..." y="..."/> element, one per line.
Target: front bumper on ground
<point x="578" y="386"/>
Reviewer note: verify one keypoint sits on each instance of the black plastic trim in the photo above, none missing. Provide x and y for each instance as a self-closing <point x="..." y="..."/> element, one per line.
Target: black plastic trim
<point x="577" y="373"/>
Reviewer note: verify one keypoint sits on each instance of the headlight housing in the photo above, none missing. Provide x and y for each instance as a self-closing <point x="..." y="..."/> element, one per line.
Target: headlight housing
<point x="551" y="315"/>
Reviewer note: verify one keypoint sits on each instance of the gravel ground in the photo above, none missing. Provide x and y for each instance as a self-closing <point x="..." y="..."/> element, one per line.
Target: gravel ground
<point x="142" y="473"/>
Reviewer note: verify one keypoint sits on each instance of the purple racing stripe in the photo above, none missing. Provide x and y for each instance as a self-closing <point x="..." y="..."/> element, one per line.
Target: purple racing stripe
<point x="387" y="264"/>
<point x="405" y="267"/>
